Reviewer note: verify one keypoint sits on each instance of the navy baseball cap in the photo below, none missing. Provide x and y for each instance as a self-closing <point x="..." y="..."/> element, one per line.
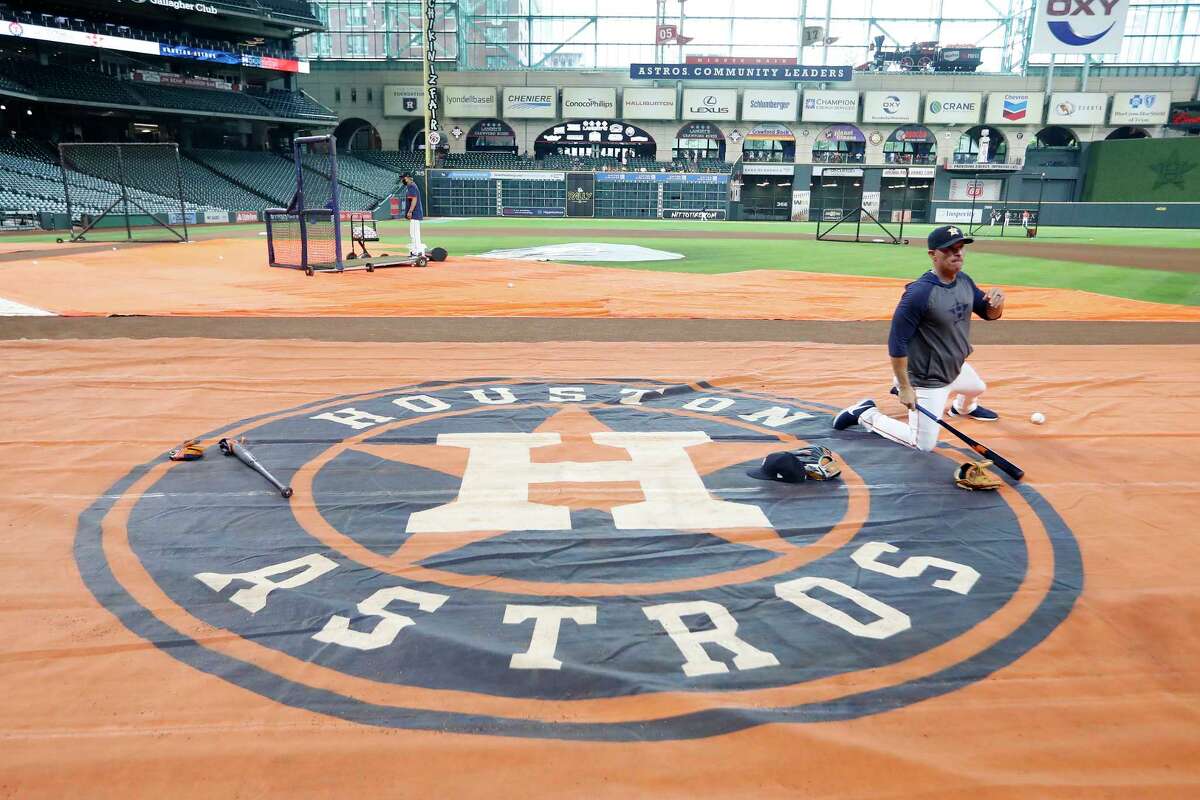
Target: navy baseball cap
<point x="783" y="467"/>
<point x="947" y="236"/>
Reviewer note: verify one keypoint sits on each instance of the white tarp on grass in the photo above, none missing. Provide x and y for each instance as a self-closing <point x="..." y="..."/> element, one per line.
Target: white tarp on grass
<point x="584" y="251"/>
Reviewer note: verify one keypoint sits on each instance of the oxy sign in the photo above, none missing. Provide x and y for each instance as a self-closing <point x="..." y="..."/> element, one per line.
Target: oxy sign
<point x="1079" y="26"/>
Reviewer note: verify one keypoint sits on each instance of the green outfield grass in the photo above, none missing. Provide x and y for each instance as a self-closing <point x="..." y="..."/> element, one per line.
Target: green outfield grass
<point x="1121" y="237"/>
<point x="716" y="255"/>
<point x="711" y="256"/>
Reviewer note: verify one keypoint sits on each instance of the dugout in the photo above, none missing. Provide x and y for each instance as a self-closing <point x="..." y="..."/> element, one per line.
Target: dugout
<point x="766" y="192"/>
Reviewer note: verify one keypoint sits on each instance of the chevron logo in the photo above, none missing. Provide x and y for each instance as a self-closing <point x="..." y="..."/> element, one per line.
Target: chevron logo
<point x="1015" y="109"/>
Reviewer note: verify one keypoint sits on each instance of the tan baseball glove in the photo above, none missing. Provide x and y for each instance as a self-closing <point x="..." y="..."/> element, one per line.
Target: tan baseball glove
<point x="973" y="475"/>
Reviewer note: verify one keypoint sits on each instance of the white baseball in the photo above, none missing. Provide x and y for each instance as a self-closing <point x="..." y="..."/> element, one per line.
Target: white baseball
<point x="510" y="286"/>
<point x="1037" y="418"/>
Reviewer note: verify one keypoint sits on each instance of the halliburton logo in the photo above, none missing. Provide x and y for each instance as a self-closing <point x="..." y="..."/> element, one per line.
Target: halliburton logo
<point x="540" y="559"/>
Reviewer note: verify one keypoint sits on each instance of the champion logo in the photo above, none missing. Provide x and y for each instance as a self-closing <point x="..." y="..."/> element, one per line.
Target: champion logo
<point x="551" y="560"/>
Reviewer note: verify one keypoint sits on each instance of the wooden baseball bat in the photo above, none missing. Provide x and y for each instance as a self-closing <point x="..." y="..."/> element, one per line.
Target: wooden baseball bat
<point x="1000" y="461"/>
<point x="231" y="447"/>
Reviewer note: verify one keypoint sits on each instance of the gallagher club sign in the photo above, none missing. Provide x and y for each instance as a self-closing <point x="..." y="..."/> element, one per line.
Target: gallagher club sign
<point x="740" y="72"/>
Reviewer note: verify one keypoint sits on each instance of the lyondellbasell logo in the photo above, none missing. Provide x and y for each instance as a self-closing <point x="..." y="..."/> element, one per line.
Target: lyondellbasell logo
<point x="575" y="560"/>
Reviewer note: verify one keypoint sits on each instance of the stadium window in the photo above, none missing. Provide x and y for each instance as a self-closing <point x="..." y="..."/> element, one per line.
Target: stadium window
<point x="356" y="16"/>
<point x="356" y="44"/>
<point x="497" y="62"/>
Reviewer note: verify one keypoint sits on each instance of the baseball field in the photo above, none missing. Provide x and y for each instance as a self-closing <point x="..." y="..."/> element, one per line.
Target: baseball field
<point x="524" y="555"/>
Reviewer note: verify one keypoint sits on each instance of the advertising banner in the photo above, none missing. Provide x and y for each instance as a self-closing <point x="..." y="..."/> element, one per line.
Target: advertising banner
<point x="247" y="216"/>
<point x="581" y="194"/>
<point x="959" y="215"/>
<point x="171" y="79"/>
<point x="649" y="104"/>
<point x="694" y="213"/>
<point x="710" y="103"/>
<point x="1015" y="108"/>
<point x="216" y="217"/>
<point x="402" y="101"/>
<point x="124" y="44"/>
<point x="1140" y="108"/>
<point x="531" y="102"/>
<point x="768" y="169"/>
<point x="661" y="177"/>
<point x="469" y="101"/>
<point x="1076" y="108"/>
<point x="827" y="106"/>
<point x="953" y="107"/>
<point x="1078" y="27"/>
<point x="982" y="190"/>
<point x="740" y="72"/>
<point x="838" y="172"/>
<point x="912" y="172"/>
<point x="768" y="105"/>
<point x="520" y="211"/>
<point x="800" y="203"/>
<point x="870" y="203"/>
<point x="898" y="107"/>
<point x="588" y="102"/>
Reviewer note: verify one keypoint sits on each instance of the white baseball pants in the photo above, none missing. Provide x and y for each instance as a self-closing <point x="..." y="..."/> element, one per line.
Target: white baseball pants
<point x="920" y="431"/>
<point x="415" y="247"/>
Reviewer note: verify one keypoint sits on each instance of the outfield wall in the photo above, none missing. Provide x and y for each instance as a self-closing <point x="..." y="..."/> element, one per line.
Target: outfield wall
<point x="1165" y="170"/>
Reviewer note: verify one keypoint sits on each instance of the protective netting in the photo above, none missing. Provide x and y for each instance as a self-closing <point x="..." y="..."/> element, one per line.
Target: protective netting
<point x="130" y="189"/>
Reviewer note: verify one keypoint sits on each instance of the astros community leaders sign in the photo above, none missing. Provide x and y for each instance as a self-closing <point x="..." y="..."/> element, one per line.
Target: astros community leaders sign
<point x="741" y="72"/>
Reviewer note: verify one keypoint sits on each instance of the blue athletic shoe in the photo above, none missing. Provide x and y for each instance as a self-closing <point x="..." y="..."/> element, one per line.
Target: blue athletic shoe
<point x="850" y="415"/>
<point x="980" y="413"/>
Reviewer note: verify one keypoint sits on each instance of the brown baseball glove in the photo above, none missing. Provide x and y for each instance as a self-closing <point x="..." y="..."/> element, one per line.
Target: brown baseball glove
<point x="973" y="475"/>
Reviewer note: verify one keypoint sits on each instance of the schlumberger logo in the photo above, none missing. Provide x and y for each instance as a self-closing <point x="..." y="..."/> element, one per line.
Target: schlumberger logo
<point x="553" y="559"/>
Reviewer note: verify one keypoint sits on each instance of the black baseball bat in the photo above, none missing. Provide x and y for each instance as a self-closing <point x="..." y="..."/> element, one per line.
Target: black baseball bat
<point x="1000" y="461"/>
<point x="231" y="447"/>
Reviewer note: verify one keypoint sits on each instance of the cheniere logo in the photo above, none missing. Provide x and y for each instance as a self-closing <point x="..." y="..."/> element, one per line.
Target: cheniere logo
<point x="542" y="559"/>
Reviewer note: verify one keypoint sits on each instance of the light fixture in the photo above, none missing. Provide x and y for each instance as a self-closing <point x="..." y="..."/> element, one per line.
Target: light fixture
<point x="29" y="112"/>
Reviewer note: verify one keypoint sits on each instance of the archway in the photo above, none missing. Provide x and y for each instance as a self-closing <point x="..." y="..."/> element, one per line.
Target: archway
<point x="595" y="139"/>
<point x="981" y="144"/>
<point x="1128" y="132"/>
<point x="356" y="134"/>
<point x="769" y="142"/>
<point x="910" y="144"/>
<point x="492" y="136"/>
<point x="842" y="143"/>
<point x="699" y="141"/>
<point x="1056" y="136"/>
<point x="412" y="138"/>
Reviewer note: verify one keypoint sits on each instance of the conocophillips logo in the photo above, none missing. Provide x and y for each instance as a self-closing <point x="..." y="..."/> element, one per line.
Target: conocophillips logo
<point x="582" y="560"/>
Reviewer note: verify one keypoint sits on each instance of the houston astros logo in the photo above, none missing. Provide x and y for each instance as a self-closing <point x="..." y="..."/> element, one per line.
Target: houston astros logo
<point x="577" y="560"/>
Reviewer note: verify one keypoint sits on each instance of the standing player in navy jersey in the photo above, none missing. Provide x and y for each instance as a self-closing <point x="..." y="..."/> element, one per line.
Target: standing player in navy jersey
<point x="929" y="344"/>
